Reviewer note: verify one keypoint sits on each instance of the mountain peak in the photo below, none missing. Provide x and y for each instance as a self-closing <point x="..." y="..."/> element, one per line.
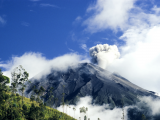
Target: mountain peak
<point x="89" y="80"/>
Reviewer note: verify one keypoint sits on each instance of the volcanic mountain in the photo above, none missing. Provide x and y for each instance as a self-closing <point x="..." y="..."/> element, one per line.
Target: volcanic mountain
<point x="88" y="80"/>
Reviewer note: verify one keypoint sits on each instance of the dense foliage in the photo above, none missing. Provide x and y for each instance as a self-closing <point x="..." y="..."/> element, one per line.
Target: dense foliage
<point x="16" y="107"/>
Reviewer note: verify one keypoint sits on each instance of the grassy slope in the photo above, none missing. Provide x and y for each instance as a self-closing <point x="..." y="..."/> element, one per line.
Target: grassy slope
<point x="49" y="112"/>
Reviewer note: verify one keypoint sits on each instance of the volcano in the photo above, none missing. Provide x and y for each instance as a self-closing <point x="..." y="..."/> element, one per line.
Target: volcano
<point x="88" y="80"/>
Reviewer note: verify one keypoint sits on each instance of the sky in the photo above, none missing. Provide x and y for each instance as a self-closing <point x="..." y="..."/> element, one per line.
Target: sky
<point x="122" y="36"/>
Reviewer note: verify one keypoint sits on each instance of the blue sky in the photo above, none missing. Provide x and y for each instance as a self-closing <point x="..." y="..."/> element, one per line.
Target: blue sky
<point x="40" y="33"/>
<point x="50" y="27"/>
<point x="46" y="26"/>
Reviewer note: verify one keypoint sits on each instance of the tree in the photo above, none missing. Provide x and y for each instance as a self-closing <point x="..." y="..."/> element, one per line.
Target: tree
<point x="13" y="88"/>
<point x="63" y="103"/>
<point x="55" y="101"/>
<point x="66" y="105"/>
<point x="32" y="98"/>
<point x="69" y="110"/>
<point x="3" y="81"/>
<point x="143" y="117"/>
<point x="63" y="94"/>
<point x="74" y="109"/>
<point x="14" y="83"/>
<point x="39" y="94"/>
<point x="85" y="117"/>
<point x="122" y="110"/>
<point x="32" y="113"/>
<point x="84" y="110"/>
<point x="51" y="95"/>
<point x="19" y="77"/>
<point x="24" y="107"/>
<point x="4" y="97"/>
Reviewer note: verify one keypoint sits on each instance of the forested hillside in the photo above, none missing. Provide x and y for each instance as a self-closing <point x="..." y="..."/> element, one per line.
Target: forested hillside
<point x="14" y="106"/>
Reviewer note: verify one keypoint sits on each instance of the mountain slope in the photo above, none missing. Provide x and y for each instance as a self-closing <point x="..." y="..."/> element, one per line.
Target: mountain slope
<point x="89" y="79"/>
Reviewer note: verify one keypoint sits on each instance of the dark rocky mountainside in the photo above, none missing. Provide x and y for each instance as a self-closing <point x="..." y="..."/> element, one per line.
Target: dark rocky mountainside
<point x="88" y="80"/>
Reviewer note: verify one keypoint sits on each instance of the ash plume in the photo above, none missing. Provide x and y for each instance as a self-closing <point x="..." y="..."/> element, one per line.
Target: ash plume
<point x="103" y="55"/>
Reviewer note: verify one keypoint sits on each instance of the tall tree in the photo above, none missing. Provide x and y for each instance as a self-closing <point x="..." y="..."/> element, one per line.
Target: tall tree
<point x="74" y="109"/>
<point x="84" y="111"/>
<point x="85" y="117"/>
<point x="39" y="94"/>
<point x="122" y="110"/>
<point x="143" y="117"/>
<point x="69" y="109"/>
<point x="3" y="81"/>
<point x="55" y="101"/>
<point x="51" y="96"/>
<point x="67" y="104"/>
<point x="63" y="94"/>
<point x="3" y="96"/>
<point x="32" y="98"/>
<point x="19" y="77"/>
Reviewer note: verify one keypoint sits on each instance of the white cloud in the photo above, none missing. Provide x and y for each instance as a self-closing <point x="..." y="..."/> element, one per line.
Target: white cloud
<point x="119" y="15"/>
<point x="104" y="113"/>
<point x="140" y="57"/>
<point x="48" y="5"/>
<point x="112" y="14"/>
<point x="152" y="103"/>
<point x="78" y="18"/>
<point x="37" y="65"/>
<point x="94" y="111"/>
<point x="70" y="49"/>
<point x="2" y="21"/>
<point x="156" y="9"/>
<point x="84" y="47"/>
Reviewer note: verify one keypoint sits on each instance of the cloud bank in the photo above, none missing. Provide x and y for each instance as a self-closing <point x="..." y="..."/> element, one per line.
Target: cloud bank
<point x="140" y="58"/>
<point x="94" y="111"/>
<point x="113" y="14"/>
<point x="37" y="65"/>
<point x="147" y="106"/>
<point x="119" y="15"/>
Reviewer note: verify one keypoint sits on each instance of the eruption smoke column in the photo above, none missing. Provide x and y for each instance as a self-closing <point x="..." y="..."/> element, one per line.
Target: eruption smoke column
<point x="103" y="55"/>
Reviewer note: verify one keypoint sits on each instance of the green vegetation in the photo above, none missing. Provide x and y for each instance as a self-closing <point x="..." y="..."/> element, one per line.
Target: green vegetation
<point x="16" y="107"/>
